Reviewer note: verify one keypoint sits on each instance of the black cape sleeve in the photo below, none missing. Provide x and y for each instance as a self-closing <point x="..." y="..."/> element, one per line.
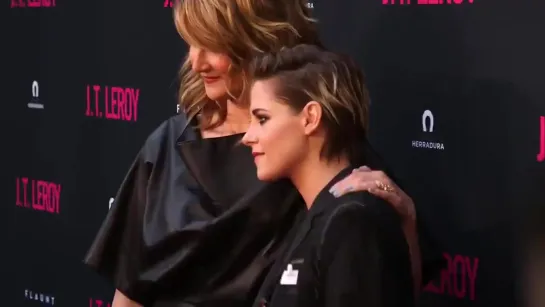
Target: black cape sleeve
<point x="119" y="251"/>
<point x="191" y="222"/>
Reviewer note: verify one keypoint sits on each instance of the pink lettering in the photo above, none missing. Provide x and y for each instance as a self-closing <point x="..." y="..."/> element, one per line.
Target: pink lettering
<point x="458" y="279"/>
<point x="99" y="303"/>
<point x="119" y="103"/>
<point x="541" y="154"/>
<point x="33" y="3"/>
<point x="167" y="3"/>
<point x="44" y="196"/>
<point x="25" y="183"/>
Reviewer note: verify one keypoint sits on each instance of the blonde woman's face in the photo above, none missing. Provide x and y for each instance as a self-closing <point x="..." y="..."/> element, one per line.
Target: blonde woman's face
<point x="213" y="68"/>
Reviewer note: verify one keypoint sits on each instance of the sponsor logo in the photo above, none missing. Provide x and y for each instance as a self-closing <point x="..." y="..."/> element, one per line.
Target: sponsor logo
<point x="35" y="102"/>
<point x="38" y="195"/>
<point x="428" y="125"/>
<point x="541" y="154"/>
<point x="93" y="302"/>
<point x="112" y="102"/>
<point x="46" y="299"/>
<point x="33" y="3"/>
<point x="167" y="3"/>
<point x="458" y="279"/>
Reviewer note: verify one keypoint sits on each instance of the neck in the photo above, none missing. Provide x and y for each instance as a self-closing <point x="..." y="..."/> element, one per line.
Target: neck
<point x="238" y="116"/>
<point x="313" y="175"/>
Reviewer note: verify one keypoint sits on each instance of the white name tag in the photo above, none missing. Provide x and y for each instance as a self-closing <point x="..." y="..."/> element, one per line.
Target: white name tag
<point x="289" y="277"/>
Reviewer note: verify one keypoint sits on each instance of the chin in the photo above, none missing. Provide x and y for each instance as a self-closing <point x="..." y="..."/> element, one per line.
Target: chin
<point x="266" y="176"/>
<point x="215" y="94"/>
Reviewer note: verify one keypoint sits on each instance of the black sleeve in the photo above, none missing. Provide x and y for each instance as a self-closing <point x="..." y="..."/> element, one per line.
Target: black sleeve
<point x="119" y="251"/>
<point x="358" y="261"/>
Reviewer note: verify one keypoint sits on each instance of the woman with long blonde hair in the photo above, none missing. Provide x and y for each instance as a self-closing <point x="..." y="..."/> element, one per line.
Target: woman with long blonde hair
<point x="191" y="224"/>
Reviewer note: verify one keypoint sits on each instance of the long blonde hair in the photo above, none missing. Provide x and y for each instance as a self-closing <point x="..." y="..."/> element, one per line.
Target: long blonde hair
<point x="241" y="29"/>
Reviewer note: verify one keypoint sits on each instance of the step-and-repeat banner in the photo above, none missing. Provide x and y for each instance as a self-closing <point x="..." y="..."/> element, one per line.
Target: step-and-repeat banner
<point x="458" y="112"/>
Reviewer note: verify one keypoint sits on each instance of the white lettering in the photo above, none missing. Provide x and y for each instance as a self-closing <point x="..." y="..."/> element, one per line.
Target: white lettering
<point x="428" y="145"/>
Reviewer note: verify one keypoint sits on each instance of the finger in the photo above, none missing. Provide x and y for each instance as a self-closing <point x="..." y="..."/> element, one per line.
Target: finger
<point x="353" y="187"/>
<point x="354" y="180"/>
<point x="377" y="175"/>
<point x="344" y="183"/>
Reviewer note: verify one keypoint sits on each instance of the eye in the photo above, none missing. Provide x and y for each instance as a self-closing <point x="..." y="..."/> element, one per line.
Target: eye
<point x="261" y="119"/>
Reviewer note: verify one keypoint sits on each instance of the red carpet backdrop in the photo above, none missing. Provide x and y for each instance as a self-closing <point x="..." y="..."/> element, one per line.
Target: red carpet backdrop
<point x="458" y="106"/>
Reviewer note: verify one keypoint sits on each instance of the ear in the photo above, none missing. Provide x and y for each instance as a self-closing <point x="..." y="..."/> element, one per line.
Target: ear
<point x="311" y="116"/>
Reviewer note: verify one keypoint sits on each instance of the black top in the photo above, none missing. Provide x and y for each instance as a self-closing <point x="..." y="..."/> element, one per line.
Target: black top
<point x="347" y="251"/>
<point x="192" y="225"/>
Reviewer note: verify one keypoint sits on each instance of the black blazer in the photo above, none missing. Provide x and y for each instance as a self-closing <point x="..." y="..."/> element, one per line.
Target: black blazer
<point x="347" y="251"/>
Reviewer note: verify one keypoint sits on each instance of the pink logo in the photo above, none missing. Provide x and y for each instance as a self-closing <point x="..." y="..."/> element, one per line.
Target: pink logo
<point x="425" y="2"/>
<point x="167" y="3"/>
<point x="32" y="3"/>
<point x="458" y="278"/>
<point x="116" y="103"/>
<point x="99" y="303"/>
<point x="38" y="195"/>
<point x="541" y="154"/>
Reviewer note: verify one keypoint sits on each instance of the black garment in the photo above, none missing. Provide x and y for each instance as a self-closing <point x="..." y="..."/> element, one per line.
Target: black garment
<point x="191" y="224"/>
<point x="347" y="251"/>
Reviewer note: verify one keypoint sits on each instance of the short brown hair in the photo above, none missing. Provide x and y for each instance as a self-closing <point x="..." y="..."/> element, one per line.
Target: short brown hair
<point x="308" y="73"/>
<point x="241" y="29"/>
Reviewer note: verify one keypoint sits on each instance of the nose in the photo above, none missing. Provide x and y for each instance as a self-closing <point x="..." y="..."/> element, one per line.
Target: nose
<point x="249" y="137"/>
<point x="197" y="57"/>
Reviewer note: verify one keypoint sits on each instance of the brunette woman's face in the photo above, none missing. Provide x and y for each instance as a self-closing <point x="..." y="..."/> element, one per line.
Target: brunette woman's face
<point x="276" y="134"/>
<point x="213" y="68"/>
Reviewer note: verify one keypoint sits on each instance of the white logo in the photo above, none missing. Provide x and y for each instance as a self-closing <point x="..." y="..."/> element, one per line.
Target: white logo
<point x="111" y="202"/>
<point x="289" y="276"/>
<point x="428" y="122"/>
<point x="40" y="297"/>
<point x="177" y="108"/>
<point x="427" y="114"/>
<point x="310" y="5"/>
<point x="35" y="102"/>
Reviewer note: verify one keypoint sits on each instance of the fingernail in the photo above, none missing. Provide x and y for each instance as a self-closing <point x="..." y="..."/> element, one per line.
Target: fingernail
<point x="334" y="192"/>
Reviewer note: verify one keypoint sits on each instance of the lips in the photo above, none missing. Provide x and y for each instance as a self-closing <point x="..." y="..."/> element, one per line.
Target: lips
<point x="210" y="79"/>
<point x="257" y="154"/>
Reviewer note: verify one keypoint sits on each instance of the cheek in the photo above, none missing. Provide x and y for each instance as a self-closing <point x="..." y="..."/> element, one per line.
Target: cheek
<point x="283" y="147"/>
<point x="221" y="65"/>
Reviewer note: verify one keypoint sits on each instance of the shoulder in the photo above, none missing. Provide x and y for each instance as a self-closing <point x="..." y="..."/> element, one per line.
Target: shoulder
<point x="365" y="204"/>
<point x="361" y="212"/>
<point x="348" y="211"/>
<point x="165" y="136"/>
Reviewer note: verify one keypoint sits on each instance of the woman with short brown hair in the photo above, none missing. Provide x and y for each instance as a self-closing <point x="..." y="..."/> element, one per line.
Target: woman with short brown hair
<point x="309" y="117"/>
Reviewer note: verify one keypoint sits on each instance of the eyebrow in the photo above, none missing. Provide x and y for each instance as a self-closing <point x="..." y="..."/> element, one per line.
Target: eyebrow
<point x="255" y="111"/>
